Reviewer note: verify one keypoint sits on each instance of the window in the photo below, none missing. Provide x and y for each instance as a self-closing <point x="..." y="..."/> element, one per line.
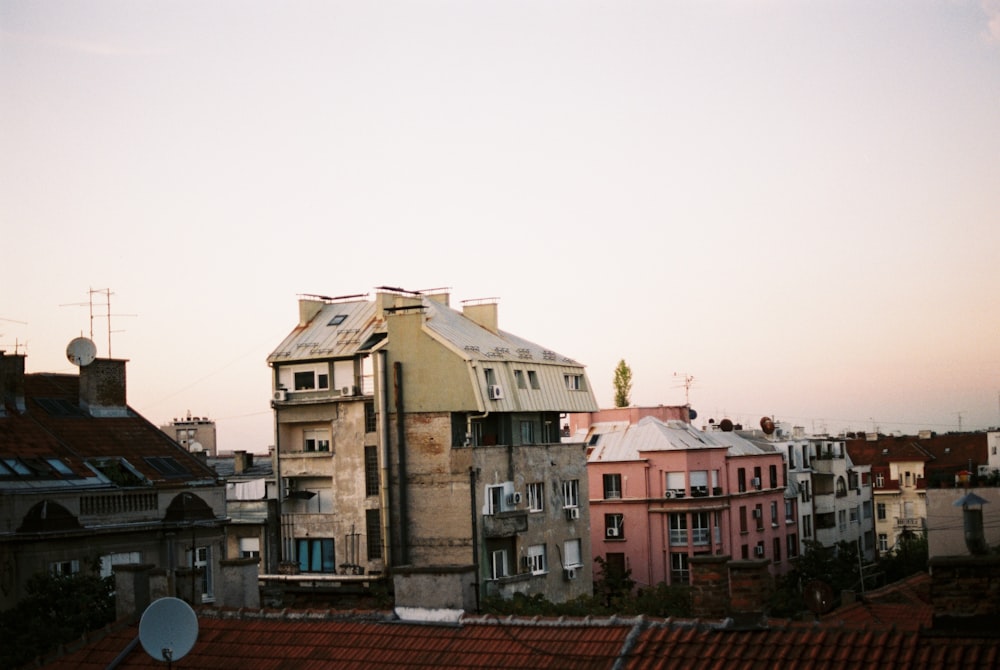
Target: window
<point x="533" y="379"/>
<point x="373" y="527"/>
<point x="316" y="555"/>
<point x="793" y="545"/>
<point x="758" y="513"/>
<point x="774" y="512"/>
<point x="773" y="475"/>
<point x="527" y="432"/>
<point x="678" y="529"/>
<point x="519" y="379"/>
<point x="536" y="497"/>
<point x="745" y="551"/>
<point x="675" y="487"/>
<point x="612" y="486"/>
<point x="699" y="528"/>
<point x="741" y="480"/>
<point x="371" y="471"/>
<point x="371" y="419"/>
<point x="572" y="557"/>
<point x="880" y="511"/>
<point x="108" y="561"/>
<point x="316" y="439"/>
<point x="249" y="547"/>
<point x="337" y="320"/>
<point x="776" y="549"/>
<point x="614" y="526"/>
<point x="842" y="519"/>
<point x="807" y="525"/>
<point x="573" y="382"/>
<point x="855" y="517"/>
<point x="310" y="380"/>
<point x="841" y="487"/>
<point x="866" y="509"/>
<point x="571" y="493"/>
<point x="743" y="518"/>
<point x="699" y="483"/>
<point x="536" y="559"/>
<point x="806" y="496"/>
<point x="498" y="564"/>
<point x="64" y="568"/>
<point x="202" y="558"/>
<point x="490" y="375"/>
<point x="879" y="480"/>
<point x="790" y="510"/>
<point x="883" y="542"/>
<point x="494" y="499"/>
<point x="679" y="571"/>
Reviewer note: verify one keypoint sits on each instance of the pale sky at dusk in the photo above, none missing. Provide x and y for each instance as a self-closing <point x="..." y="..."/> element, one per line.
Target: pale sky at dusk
<point x="797" y="203"/>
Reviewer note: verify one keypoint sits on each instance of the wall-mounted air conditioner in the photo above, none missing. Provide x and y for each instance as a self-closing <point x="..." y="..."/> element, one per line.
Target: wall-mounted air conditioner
<point x="757" y="513"/>
<point x="572" y="513"/>
<point x="755" y="482"/>
<point x="281" y="395"/>
<point x="514" y="498"/>
<point x="348" y="391"/>
<point x="496" y="392"/>
<point x="612" y="532"/>
<point x="569" y="573"/>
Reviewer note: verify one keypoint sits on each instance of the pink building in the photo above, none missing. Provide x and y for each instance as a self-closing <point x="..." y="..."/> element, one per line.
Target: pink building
<point x="663" y="491"/>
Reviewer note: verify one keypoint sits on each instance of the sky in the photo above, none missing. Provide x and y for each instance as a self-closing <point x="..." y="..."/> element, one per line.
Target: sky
<point x="795" y="205"/>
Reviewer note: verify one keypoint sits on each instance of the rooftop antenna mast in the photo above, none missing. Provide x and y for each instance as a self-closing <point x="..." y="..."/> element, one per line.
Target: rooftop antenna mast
<point x="688" y="380"/>
<point x="17" y="343"/>
<point x="105" y="305"/>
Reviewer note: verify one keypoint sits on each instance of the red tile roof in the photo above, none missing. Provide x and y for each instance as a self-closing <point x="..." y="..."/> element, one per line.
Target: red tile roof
<point x="905" y="605"/>
<point x="274" y="640"/>
<point x="54" y="426"/>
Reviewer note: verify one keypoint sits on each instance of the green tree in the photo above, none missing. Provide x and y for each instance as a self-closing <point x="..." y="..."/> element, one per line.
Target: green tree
<point x="623" y="384"/>
<point x="56" y="610"/>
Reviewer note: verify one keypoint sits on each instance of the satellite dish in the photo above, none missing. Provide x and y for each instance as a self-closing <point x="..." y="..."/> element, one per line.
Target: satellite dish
<point x="692" y="414"/>
<point x="168" y="629"/>
<point x="81" y="351"/>
<point x="767" y="425"/>
<point x="726" y="425"/>
<point x="818" y="596"/>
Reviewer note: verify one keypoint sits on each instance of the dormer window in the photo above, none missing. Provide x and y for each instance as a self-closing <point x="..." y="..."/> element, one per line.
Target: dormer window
<point x="337" y="320"/>
<point x="574" y="382"/>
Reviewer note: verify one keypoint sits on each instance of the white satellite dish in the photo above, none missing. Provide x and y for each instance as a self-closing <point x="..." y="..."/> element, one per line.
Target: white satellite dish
<point x="81" y="351"/>
<point x="168" y="629"/>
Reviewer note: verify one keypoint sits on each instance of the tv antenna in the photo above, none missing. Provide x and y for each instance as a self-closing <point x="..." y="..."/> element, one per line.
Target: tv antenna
<point x="17" y="343"/>
<point x="168" y="629"/>
<point x="104" y="305"/>
<point x="688" y="381"/>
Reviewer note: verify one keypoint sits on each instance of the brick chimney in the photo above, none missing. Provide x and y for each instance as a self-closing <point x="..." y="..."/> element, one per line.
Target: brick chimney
<point x="102" y="388"/>
<point x="242" y="461"/>
<point x="482" y="312"/>
<point x="11" y="382"/>
<point x="965" y="592"/>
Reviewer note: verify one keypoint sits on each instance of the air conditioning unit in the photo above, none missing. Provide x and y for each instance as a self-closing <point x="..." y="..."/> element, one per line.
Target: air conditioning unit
<point x="349" y="391"/>
<point x="755" y="482"/>
<point x="668" y="494"/>
<point x="496" y="392"/>
<point x="514" y="498"/>
<point x="757" y="513"/>
<point x="281" y="395"/>
<point x="572" y="513"/>
<point x="759" y="550"/>
<point x="612" y="532"/>
<point x="569" y="573"/>
<point x="289" y="484"/>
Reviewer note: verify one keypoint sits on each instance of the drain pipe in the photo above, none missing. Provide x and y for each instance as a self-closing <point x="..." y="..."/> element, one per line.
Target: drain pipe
<point x="404" y="550"/>
<point x="385" y="493"/>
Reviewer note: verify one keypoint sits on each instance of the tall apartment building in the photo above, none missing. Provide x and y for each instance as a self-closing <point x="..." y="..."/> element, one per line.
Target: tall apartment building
<point x="412" y="438"/>
<point x="194" y="433"/>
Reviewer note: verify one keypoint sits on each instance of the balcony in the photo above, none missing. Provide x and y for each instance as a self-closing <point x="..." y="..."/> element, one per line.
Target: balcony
<point x="505" y="524"/>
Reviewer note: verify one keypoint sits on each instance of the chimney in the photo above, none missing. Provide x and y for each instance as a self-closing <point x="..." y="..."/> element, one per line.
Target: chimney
<point x="242" y="461"/>
<point x="308" y="309"/>
<point x="965" y="592"/>
<point x="482" y="312"/>
<point x="11" y="382"/>
<point x="710" y="586"/>
<point x="102" y="388"/>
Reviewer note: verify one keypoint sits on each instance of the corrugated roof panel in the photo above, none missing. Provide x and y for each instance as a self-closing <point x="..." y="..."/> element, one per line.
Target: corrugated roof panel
<point x="325" y="336"/>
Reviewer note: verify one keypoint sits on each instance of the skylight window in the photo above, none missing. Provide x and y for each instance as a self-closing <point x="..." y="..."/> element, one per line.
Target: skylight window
<point x="167" y="466"/>
<point x="17" y="466"/>
<point x="59" y="466"/>
<point x="337" y="320"/>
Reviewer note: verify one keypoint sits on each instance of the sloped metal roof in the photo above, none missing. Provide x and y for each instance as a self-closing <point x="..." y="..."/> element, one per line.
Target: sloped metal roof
<point x="325" y="336"/>
<point x="651" y="434"/>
